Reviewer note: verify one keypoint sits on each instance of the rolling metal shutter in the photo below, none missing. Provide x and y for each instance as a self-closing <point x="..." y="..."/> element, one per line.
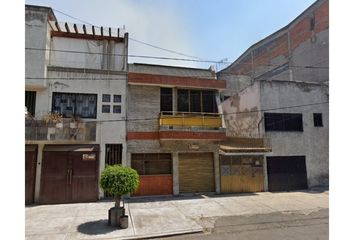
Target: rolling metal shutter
<point x="196" y="172"/>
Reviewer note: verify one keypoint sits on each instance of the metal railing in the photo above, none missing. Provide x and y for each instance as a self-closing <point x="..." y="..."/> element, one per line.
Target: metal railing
<point x="191" y="119"/>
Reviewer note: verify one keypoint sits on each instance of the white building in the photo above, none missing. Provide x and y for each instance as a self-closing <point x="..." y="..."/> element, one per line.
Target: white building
<point x="79" y="72"/>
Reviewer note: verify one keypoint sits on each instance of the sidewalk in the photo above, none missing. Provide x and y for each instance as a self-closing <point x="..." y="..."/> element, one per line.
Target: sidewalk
<point x="161" y="216"/>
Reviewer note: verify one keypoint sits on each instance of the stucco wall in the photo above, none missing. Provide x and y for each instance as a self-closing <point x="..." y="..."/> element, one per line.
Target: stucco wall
<point x="241" y="113"/>
<point x="110" y="54"/>
<point x="35" y="37"/>
<point x="313" y="141"/>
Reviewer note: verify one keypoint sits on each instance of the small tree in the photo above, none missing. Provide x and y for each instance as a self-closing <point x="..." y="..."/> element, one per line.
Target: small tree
<point x="117" y="180"/>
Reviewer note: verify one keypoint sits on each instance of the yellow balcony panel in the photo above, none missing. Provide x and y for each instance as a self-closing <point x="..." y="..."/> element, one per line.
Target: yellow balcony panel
<point x="191" y="120"/>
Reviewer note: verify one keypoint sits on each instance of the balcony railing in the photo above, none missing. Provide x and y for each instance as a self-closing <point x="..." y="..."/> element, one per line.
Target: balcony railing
<point x="191" y="120"/>
<point x="66" y="130"/>
<point x="242" y="144"/>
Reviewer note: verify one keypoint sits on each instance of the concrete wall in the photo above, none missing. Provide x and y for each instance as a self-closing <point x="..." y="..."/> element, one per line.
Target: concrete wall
<point x="104" y="61"/>
<point x="246" y="103"/>
<point x="313" y="141"/>
<point x="36" y="37"/>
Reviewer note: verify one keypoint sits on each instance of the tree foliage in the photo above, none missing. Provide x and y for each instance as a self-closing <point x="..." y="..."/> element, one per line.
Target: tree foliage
<point x="118" y="180"/>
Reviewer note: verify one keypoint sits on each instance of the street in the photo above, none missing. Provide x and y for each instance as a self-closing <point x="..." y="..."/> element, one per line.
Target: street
<point x="265" y="226"/>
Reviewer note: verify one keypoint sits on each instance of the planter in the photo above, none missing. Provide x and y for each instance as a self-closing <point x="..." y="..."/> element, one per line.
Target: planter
<point x="114" y="215"/>
<point x="59" y="125"/>
<point x="124" y="222"/>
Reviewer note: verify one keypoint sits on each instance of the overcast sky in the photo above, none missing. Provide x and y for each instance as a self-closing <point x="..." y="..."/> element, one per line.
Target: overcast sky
<point x="212" y="30"/>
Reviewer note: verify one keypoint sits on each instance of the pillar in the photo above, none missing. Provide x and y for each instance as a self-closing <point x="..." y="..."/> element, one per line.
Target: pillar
<point x="217" y="172"/>
<point x="175" y="173"/>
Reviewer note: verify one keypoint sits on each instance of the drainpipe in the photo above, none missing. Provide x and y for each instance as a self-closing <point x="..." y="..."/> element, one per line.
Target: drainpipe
<point x="259" y="132"/>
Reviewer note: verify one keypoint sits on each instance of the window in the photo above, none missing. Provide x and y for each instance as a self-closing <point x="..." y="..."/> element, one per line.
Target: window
<point x="283" y="122"/>
<point x="166" y="100"/>
<point x="196" y="101"/>
<point x="117" y="98"/>
<point x="113" y="154"/>
<point x="30" y="102"/>
<point x="106" y="108"/>
<point x="75" y="104"/>
<point x="152" y="163"/>
<point x="317" y="120"/>
<point x="117" y="109"/>
<point x="106" y="98"/>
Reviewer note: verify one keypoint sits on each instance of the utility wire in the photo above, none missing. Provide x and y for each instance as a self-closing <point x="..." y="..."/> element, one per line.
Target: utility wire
<point x="221" y="114"/>
<point x="121" y="55"/>
<point x="166" y="58"/>
<point x="138" y="41"/>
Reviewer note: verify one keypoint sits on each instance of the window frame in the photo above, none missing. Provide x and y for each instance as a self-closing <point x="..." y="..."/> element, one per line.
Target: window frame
<point x="317" y="122"/>
<point x="94" y="116"/>
<point x="202" y="93"/>
<point x="284" y="122"/>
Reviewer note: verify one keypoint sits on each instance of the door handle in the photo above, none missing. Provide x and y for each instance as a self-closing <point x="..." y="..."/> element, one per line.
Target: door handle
<point x="67" y="176"/>
<point x="70" y="176"/>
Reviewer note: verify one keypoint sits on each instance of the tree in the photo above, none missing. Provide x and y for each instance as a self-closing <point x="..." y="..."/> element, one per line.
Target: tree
<point x="118" y="180"/>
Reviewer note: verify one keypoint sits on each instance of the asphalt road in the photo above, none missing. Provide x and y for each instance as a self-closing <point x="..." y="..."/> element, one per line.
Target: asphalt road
<point x="266" y="226"/>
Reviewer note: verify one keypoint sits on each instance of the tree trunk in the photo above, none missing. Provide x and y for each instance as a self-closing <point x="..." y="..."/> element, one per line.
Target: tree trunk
<point x="117" y="204"/>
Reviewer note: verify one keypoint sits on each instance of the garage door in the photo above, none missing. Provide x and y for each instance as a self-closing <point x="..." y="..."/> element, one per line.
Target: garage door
<point x="30" y="172"/>
<point x="286" y="173"/>
<point x="196" y="172"/>
<point x="155" y="173"/>
<point x="69" y="174"/>
<point x="241" y="174"/>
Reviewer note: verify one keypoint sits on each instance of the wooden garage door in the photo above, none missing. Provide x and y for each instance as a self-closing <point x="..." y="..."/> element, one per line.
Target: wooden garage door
<point x="30" y="172"/>
<point x="69" y="174"/>
<point x="286" y="173"/>
<point x="196" y="172"/>
<point x="241" y="174"/>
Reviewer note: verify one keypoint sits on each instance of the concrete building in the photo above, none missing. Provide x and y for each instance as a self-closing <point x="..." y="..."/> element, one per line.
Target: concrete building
<point x="174" y="128"/>
<point x="76" y="80"/>
<point x="277" y="90"/>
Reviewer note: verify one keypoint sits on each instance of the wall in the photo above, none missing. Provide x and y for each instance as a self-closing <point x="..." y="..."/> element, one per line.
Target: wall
<point x="313" y="141"/>
<point x="247" y="104"/>
<point x="283" y="54"/>
<point x="102" y="61"/>
<point x="36" y="36"/>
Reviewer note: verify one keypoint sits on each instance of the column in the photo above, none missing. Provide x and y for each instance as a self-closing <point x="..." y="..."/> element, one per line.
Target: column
<point x="175" y="173"/>
<point x="217" y="172"/>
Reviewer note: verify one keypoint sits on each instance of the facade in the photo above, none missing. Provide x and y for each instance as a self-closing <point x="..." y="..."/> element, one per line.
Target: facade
<point x="277" y="90"/>
<point x="174" y="128"/>
<point x="76" y="80"/>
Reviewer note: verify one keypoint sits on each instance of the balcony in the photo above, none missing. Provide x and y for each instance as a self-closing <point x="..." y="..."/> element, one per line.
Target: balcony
<point x="66" y="130"/>
<point x="245" y="145"/>
<point x="189" y="120"/>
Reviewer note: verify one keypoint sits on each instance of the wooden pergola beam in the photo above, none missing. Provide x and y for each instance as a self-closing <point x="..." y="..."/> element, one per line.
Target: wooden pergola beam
<point x="84" y="28"/>
<point x="67" y="27"/>
<point x="75" y="28"/>
<point x="58" y="27"/>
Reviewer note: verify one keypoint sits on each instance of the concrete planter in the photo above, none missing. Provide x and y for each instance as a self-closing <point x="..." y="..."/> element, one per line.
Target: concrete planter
<point x="124" y="222"/>
<point x="114" y="216"/>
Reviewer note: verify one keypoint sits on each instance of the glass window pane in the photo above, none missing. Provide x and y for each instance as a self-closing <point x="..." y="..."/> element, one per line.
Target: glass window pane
<point x="106" y="108"/>
<point x="106" y="98"/>
<point x="117" y="109"/>
<point x="195" y="101"/>
<point x="166" y="99"/>
<point x="182" y="100"/>
<point x="117" y="98"/>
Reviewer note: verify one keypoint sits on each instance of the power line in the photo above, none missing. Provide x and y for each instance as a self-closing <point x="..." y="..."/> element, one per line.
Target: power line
<point x="121" y="55"/>
<point x="138" y="41"/>
<point x="168" y="58"/>
<point x="221" y="114"/>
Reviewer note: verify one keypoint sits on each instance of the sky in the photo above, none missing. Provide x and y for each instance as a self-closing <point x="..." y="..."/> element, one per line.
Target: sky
<point x="209" y="30"/>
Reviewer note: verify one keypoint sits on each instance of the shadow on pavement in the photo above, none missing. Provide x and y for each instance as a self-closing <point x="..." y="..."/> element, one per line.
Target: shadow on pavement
<point x="96" y="227"/>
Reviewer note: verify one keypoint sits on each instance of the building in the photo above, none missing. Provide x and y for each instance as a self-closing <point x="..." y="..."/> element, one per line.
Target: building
<point x="76" y="80"/>
<point x="277" y="91"/>
<point x="174" y="128"/>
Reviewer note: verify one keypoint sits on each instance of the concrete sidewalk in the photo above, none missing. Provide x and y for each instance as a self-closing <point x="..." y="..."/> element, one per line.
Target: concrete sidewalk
<point x="153" y="217"/>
